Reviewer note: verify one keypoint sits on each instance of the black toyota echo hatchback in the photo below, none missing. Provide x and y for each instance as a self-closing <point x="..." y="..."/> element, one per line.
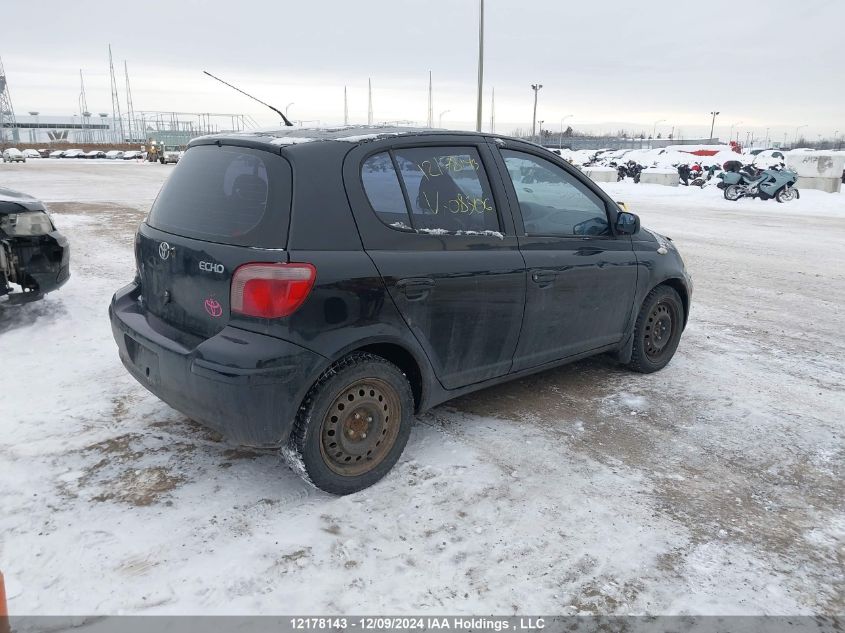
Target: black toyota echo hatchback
<point x="313" y="289"/>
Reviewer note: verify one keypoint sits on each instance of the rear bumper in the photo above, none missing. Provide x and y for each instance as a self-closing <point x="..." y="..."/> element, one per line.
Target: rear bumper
<point x="246" y="386"/>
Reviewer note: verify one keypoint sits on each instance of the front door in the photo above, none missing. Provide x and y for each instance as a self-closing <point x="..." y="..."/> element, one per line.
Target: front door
<point x="581" y="277"/>
<point x="429" y="220"/>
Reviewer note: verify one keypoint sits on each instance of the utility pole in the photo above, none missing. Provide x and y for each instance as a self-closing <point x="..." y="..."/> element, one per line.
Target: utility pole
<point x="370" y="102"/>
<point x="345" y="108"/>
<point x="480" y="64"/>
<point x="430" y="103"/>
<point x="493" y="111"/>
<point x="713" y="123"/>
<point x="536" y="89"/>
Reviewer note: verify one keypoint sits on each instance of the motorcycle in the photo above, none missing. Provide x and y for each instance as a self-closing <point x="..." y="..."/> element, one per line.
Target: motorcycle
<point x="770" y="183"/>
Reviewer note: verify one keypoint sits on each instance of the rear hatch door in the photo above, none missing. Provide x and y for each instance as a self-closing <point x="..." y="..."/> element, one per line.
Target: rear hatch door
<point x="223" y="206"/>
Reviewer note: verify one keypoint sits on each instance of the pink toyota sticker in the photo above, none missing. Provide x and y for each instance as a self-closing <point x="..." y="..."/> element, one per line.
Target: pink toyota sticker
<point x="213" y="307"/>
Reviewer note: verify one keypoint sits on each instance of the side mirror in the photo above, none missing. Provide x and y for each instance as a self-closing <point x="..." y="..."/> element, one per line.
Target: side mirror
<point x="627" y="223"/>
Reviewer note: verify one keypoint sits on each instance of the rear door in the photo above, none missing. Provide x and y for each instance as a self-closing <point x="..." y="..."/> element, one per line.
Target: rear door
<point x="222" y="206"/>
<point x="581" y="277"/>
<point x="429" y="219"/>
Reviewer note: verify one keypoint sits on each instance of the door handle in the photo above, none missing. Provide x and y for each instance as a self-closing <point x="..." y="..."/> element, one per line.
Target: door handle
<point x="415" y="288"/>
<point x="588" y="250"/>
<point x="543" y="278"/>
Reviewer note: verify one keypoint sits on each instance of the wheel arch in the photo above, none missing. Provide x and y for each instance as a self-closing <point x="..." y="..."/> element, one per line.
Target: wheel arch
<point x="623" y="355"/>
<point x="412" y="363"/>
<point x="680" y="287"/>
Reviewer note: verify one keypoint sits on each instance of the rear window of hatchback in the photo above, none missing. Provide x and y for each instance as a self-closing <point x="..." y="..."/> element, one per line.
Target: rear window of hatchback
<point x="227" y="194"/>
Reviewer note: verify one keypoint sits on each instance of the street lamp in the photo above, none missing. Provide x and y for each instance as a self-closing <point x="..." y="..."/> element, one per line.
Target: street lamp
<point x="287" y="107"/>
<point x="540" y="135"/>
<point x="795" y="140"/>
<point x="731" y="135"/>
<point x="713" y="123"/>
<point x="560" y="143"/>
<point x="654" y="130"/>
<point x="536" y="89"/>
<point x="480" y="65"/>
<point x="440" y="118"/>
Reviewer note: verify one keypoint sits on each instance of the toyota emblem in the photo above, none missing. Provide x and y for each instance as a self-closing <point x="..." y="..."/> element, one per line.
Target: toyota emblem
<point x="164" y="250"/>
<point x="213" y="307"/>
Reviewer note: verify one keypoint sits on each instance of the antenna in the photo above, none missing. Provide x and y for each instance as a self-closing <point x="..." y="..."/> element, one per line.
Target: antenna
<point x="370" y="102"/>
<point x="117" y="118"/>
<point x="130" y="109"/>
<point x="276" y="110"/>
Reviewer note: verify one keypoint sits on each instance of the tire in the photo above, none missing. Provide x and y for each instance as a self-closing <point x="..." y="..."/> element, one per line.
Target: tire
<point x="732" y="193"/>
<point x="786" y="194"/>
<point x="361" y="394"/>
<point x="662" y="312"/>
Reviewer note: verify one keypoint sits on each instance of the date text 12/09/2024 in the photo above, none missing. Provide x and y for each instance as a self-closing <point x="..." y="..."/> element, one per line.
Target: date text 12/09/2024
<point x="456" y="623"/>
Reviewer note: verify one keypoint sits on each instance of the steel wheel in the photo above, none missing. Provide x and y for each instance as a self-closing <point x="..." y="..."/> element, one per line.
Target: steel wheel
<point x="360" y="427"/>
<point x="659" y="328"/>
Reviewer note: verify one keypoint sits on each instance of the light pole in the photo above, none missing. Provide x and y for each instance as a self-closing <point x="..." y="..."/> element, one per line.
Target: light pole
<point x="560" y="143"/>
<point x="731" y="135"/>
<point x="480" y="64"/>
<point x="440" y="118"/>
<point x="767" y="137"/>
<point x="536" y="89"/>
<point x="287" y="107"/>
<point x="540" y="135"/>
<point x="715" y="113"/>
<point x="795" y="140"/>
<point x="835" y="142"/>
<point x="654" y="130"/>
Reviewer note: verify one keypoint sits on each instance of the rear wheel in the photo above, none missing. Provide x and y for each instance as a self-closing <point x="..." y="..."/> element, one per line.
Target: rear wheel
<point x="353" y="425"/>
<point x="732" y="192"/>
<point x="657" y="331"/>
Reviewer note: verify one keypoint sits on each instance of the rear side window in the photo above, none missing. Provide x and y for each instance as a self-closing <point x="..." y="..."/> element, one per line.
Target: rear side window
<point x="226" y="194"/>
<point x="384" y="191"/>
<point x="447" y="190"/>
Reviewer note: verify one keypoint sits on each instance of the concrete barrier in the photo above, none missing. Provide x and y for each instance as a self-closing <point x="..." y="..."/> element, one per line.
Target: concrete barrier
<point x="817" y="170"/>
<point x="668" y="177"/>
<point x="830" y="185"/>
<point x="600" y="174"/>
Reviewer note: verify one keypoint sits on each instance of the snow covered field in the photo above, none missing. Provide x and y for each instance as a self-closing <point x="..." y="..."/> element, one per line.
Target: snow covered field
<point x="712" y="487"/>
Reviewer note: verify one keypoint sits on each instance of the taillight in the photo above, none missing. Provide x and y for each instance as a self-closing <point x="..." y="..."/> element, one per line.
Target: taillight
<point x="271" y="291"/>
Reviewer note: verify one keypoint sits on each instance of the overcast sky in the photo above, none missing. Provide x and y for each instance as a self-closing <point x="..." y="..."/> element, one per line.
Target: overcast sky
<point x="610" y="64"/>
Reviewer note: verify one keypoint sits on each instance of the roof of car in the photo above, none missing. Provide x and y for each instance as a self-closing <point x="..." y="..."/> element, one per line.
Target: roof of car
<point x="287" y="136"/>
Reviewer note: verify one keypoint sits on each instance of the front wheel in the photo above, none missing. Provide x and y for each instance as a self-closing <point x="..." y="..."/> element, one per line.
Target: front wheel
<point x="353" y="425"/>
<point x="733" y="193"/>
<point x="786" y="194"/>
<point x="657" y="331"/>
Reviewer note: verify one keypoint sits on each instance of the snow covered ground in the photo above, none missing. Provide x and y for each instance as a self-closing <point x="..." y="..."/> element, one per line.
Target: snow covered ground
<point x="712" y="487"/>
